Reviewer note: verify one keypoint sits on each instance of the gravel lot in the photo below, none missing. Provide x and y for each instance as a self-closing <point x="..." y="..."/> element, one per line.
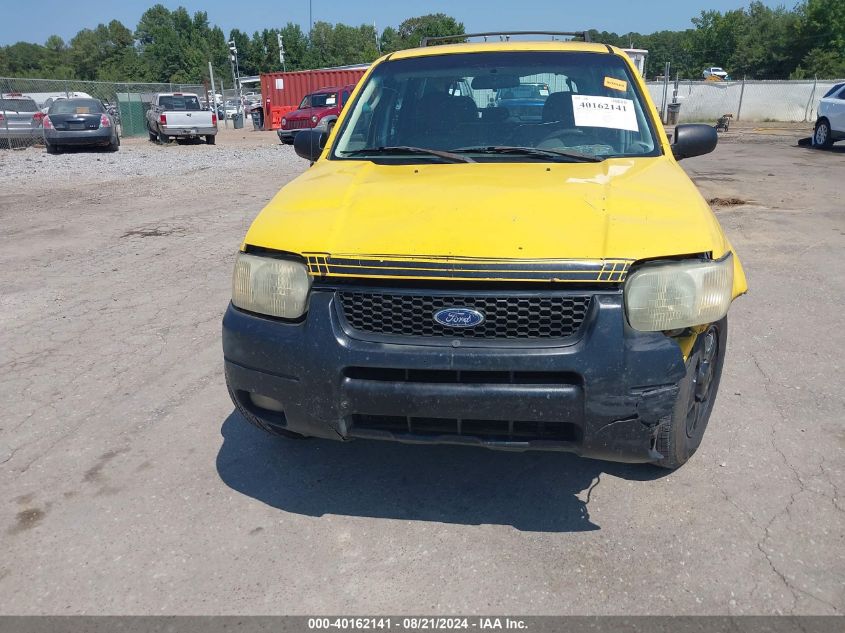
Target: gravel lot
<point x="139" y="157"/>
<point x="129" y="485"/>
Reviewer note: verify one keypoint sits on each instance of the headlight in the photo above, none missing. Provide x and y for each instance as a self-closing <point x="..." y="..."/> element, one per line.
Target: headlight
<point x="679" y="294"/>
<point x="276" y="287"/>
<point x="284" y="121"/>
<point x="314" y="118"/>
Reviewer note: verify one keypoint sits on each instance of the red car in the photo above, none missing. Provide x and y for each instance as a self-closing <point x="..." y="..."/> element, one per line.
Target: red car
<point x="318" y="110"/>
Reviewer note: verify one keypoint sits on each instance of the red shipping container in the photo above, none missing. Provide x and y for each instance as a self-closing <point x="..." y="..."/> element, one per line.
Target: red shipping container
<point x="283" y="92"/>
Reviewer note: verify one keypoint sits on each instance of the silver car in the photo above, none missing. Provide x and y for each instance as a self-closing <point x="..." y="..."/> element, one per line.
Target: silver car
<point x="20" y="121"/>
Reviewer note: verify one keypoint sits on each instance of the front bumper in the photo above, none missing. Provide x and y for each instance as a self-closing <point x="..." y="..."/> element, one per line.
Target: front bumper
<point x="599" y="393"/>
<point x="286" y="136"/>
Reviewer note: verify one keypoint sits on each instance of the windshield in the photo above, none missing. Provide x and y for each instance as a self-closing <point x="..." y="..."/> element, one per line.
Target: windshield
<point x="319" y="100"/>
<point x="18" y="105"/>
<point x="592" y="108"/>
<point x="832" y="90"/>
<point x="179" y="102"/>
<point x="76" y="106"/>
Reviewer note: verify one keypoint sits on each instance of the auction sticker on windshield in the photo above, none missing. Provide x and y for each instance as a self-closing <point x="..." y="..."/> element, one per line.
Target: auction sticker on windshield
<point x="611" y="112"/>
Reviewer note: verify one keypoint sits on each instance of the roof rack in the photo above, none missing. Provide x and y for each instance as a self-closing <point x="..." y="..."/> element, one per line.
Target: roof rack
<point x="427" y="41"/>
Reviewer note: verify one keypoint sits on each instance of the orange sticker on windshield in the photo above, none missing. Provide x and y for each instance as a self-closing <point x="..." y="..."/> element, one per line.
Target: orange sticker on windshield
<point x="615" y="84"/>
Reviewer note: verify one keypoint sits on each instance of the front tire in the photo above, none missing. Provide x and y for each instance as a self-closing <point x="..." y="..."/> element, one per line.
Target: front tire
<point x="679" y="434"/>
<point x="822" y="136"/>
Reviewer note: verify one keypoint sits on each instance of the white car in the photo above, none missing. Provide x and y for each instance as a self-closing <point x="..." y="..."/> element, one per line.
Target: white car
<point x="231" y="109"/>
<point x="715" y="71"/>
<point x="830" y="124"/>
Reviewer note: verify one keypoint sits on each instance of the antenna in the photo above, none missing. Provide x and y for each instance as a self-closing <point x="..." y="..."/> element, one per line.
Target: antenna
<point x="281" y="41"/>
<point x="236" y="73"/>
<point x="378" y="41"/>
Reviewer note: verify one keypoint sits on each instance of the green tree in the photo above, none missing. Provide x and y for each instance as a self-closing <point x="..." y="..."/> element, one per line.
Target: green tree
<point x="765" y="43"/>
<point x="821" y="39"/>
<point x="23" y="59"/>
<point x="158" y="42"/>
<point x="411" y="31"/>
<point x="296" y="47"/>
<point x="174" y="46"/>
<point x="340" y="45"/>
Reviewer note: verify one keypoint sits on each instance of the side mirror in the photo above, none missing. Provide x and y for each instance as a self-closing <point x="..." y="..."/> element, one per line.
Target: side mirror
<point x="309" y="144"/>
<point x="694" y="140"/>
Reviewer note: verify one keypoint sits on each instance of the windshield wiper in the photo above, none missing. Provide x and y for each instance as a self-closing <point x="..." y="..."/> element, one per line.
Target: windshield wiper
<point x="531" y="151"/>
<point x="399" y="150"/>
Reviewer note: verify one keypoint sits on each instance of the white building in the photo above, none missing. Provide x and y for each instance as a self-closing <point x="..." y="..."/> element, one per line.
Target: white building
<point x="638" y="56"/>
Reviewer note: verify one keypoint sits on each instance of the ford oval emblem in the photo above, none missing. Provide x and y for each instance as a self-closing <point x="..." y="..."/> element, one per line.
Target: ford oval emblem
<point x="458" y="317"/>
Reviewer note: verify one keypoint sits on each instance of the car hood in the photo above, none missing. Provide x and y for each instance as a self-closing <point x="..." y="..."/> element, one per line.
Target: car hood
<point x="307" y="113"/>
<point x="618" y="209"/>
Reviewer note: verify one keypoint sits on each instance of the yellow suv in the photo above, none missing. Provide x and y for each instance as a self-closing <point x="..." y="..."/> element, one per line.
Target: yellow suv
<point x="448" y="272"/>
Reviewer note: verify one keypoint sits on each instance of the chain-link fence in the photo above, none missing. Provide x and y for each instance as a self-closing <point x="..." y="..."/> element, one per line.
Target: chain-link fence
<point x="24" y="102"/>
<point x="230" y="104"/>
<point x="795" y="101"/>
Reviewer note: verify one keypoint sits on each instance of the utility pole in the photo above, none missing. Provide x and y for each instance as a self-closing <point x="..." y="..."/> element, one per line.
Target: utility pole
<point x="213" y="90"/>
<point x="665" y="93"/>
<point x="281" y="41"/>
<point x="223" y="93"/>
<point x="236" y="73"/>
<point x="378" y="41"/>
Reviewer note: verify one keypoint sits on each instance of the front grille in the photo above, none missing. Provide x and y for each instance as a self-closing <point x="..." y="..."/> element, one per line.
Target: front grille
<point x="465" y="377"/>
<point x="506" y="317"/>
<point x="487" y="430"/>
<point x="297" y="124"/>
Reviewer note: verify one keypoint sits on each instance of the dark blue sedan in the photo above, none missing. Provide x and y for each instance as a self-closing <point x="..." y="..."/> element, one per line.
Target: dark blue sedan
<point x="79" y="122"/>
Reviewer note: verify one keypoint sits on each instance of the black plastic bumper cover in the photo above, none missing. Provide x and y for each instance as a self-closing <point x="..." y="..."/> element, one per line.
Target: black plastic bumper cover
<point x="622" y="381"/>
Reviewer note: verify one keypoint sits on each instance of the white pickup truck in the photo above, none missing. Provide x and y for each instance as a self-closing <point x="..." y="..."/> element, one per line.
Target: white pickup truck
<point x="180" y="115"/>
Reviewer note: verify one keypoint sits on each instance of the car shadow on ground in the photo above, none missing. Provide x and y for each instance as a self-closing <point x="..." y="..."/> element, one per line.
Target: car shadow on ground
<point x="83" y="149"/>
<point x="531" y="491"/>
<point x="834" y="149"/>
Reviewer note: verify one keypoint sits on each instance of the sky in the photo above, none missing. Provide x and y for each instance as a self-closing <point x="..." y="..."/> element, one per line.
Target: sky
<point x="66" y="17"/>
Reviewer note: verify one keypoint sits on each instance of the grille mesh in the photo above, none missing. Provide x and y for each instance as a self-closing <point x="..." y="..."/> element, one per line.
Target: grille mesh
<point x="506" y="317"/>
